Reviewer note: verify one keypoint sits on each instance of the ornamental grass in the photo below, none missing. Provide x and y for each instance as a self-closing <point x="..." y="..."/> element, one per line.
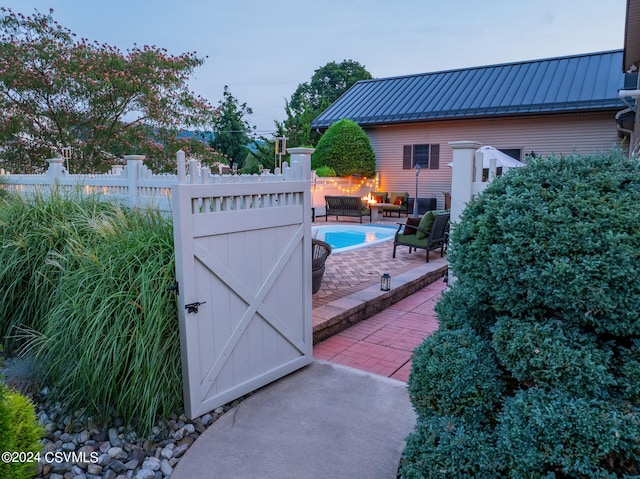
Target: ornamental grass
<point x="85" y="295"/>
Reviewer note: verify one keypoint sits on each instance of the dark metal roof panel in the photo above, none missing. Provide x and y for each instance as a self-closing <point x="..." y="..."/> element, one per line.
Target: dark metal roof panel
<point x="565" y="84"/>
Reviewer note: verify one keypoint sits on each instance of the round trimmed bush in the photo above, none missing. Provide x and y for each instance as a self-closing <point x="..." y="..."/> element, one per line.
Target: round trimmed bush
<point x="627" y="371"/>
<point x="544" y="354"/>
<point x="559" y="239"/>
<point x="345" y="147"/>
<point x="455" y="373"/>
<point x="447" y="447"/>
<point x="325" y="171"/>
<point x="540" y="432"/>
<point x="547" y="267"/>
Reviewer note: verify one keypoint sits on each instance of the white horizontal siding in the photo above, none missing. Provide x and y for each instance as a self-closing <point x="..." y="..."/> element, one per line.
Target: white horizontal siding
<point x="543" y="135"/>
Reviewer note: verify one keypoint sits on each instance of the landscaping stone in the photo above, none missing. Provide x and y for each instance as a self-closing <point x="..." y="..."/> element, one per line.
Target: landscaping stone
<point x="114" y="452"/>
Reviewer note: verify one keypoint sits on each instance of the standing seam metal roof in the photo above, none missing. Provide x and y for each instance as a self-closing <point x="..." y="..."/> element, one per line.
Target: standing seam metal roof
<point x="575" y="83"/>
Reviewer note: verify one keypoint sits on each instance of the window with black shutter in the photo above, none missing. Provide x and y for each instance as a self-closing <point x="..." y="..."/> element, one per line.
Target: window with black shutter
<point x="425" y="155"/>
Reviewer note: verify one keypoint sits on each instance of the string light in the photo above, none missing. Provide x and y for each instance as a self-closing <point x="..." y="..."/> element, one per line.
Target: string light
<point x="364" y="182"/>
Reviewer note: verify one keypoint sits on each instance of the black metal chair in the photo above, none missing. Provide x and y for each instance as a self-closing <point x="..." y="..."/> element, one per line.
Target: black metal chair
<point x="434" y="238"/>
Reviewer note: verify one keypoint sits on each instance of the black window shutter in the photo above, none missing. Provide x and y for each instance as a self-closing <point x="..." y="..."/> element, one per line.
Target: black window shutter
<point x="406" y="157"/>
<point x="434" y="161"/>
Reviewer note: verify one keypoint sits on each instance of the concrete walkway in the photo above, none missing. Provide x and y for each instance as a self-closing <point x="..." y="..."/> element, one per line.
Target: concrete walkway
<point x="325" y="421"/>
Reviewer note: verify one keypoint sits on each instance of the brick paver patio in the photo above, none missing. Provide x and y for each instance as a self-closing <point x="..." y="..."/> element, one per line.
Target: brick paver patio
<point x="382" y="344"/>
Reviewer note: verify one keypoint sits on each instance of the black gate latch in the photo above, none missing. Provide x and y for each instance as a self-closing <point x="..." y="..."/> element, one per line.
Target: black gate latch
<point x="193" y="307"/>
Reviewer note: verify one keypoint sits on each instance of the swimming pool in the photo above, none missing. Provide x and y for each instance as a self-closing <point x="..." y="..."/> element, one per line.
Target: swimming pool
<point x="349" y="237"/>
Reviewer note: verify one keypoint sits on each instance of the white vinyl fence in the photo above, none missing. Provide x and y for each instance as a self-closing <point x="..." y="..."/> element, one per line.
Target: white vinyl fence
<point x="133" y="184"/>
<point x="136" y="186"/>
<point x="467" y="180"/>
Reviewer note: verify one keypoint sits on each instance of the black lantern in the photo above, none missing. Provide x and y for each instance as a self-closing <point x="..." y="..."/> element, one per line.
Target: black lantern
<point x="385" y="282"/>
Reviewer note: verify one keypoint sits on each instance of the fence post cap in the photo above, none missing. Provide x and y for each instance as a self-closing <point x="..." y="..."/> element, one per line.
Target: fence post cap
<point x="134" y="157"/>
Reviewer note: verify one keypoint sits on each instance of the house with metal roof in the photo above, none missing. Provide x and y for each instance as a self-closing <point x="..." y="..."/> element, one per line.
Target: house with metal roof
<point x="555" y="105"/>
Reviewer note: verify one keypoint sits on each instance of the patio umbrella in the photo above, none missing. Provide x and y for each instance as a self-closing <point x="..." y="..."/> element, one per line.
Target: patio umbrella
<point x="502" y="159"/>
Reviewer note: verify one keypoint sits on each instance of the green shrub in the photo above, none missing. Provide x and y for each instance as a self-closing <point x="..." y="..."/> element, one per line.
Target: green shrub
<point x="558" y="238"/>
<point x="544" y="354"/>
<point x="19" y="432"/>
<point x="447" y="447"/>
<point x="3" y="191"/>
<point x="627" y="371"/>
<point x="117" y="325"/>
<point x="547" y="267"/>
<point x="325" y="171"/>
<point x="541" y="432"/>
<point x="345" y="147"/>
<point x="455" y="373"/>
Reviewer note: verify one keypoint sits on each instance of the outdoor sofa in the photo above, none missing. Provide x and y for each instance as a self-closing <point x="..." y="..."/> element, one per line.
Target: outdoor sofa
<point x="431" y="232"/>
<point x="346" y="206"/>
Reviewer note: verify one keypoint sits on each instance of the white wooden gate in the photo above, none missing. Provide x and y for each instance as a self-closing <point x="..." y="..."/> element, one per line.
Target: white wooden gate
<point x="243" y="265"/>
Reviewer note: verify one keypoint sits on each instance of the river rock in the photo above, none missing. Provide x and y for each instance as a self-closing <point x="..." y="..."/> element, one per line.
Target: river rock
<point x="152" y="463"/>
<point x="145" y="474"/>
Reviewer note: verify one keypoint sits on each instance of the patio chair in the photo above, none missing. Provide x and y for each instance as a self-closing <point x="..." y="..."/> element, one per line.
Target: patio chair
<point x="320" y="252"/>
<point x="431" y="233"/>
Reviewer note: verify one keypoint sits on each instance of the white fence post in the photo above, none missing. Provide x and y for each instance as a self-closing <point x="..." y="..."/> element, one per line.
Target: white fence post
<point x="134" y="163"/>
<point x="464" y="153"/>
<point x="55" y="168"/>
<point x="182" y="167"/>
<point x="301" y="156"/>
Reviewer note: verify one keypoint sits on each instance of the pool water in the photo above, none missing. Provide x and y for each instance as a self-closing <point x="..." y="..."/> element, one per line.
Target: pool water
<point x="349" y="237"/>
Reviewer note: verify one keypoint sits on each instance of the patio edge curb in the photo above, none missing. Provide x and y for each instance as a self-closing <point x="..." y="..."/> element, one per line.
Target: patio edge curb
<point x="337" y="316"/>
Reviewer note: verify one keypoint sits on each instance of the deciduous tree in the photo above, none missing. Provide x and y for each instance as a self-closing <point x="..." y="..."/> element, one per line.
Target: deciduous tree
<point x="58" y="91"/>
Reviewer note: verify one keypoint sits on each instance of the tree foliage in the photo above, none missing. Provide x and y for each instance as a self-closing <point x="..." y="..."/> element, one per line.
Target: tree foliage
<point x="311" y="98"/>
<point x="232" y="132"/>
<point x="326" y="85"/>
<point x="58" y="91"/>
<point x="541" y="330"/>
<point x="346" y="149"/>
<point x="262" y="153"/>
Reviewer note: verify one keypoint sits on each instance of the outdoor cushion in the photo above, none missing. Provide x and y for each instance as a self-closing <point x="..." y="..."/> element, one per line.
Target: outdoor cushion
<point x="411" y="222"/>
<point x="394" y="195"/>
<point x="380" y="196"/>
<point x="398" y="201"/>
<point x="411" y="240"/>
<point x="426" y="222"/>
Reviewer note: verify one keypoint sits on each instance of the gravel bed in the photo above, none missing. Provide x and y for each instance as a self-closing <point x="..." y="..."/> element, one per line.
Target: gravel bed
<point x="76" y="447"/>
